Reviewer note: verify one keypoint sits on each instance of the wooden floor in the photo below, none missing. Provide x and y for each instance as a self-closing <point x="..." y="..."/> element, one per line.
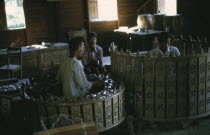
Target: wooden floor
<point x="197" y="127"/>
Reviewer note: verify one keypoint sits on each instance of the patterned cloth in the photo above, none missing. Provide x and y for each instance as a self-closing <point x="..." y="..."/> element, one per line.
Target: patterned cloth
<point x="73" y="78"/>
<point x="92" y="55"/>
<point x="155" y="52"/>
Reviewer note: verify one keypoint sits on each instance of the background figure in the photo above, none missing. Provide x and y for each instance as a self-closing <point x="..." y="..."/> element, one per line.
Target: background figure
<point x="93" y="54"/>
<point x="155" y="43"/>
<point x="164" y="48"/>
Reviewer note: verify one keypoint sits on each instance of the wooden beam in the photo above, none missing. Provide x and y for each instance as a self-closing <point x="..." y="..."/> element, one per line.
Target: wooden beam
<point x="72" y="129"/>
<point x="142" y="6"/>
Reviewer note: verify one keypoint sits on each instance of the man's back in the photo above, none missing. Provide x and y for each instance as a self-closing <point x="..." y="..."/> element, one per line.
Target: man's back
<point x="73" y="79"/>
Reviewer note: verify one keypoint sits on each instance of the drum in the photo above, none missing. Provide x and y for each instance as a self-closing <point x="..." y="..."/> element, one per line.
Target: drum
<point x="157" y="22"/>
<point x="166" y="89"/>
<point x="174" y="24"/>
<point x="144" y="20"/>
<point x="106" y="108"/>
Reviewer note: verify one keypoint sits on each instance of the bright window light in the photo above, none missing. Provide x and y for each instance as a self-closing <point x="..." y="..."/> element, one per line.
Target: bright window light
<point x="168" y="7"/>
<point x="14" y="14"/>
<point x="103" y="10"/>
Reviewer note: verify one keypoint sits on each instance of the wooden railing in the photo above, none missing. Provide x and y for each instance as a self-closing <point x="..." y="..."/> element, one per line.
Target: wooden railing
<point x="166" y="89"/>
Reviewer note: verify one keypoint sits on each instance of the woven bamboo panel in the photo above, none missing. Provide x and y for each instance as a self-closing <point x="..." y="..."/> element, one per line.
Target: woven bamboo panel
<point x="193" y="79"/>
<point x="208" y="84"/>
<point x="87" y="112"/>
<point x="99" y="115"/>
<point x="171" y="89"/>
<point x="115" y="109"/>
<point x="121" y="66"/>
<point x="52" y="55"/>
<point x="160" y="88"/>
<point x="128" y="70"/>
<point x="182" y="88"/>
<point x="108" y="111"/>
<point x="121" y="106"/>
<point x="201" y="85"/>
<point x="76" y="113"/>
<point x="31" y="60"/>
<point x="149" y="89"/>
<point x="138" y="78"/>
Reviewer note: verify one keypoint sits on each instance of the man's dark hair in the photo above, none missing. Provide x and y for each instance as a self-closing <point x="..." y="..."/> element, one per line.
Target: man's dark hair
<point x="91" y="35"/>
<point x="75" y="43"/>
<point x="163" y="38"/>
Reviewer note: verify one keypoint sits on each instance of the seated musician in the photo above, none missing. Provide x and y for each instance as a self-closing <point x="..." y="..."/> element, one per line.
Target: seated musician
<point x="164" y="47"/>
<point x="93" y="54"/>
<point x="71" y="73"/>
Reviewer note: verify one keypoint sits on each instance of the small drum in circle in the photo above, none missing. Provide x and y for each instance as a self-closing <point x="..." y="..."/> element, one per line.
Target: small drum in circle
<point x="105" y="108"/>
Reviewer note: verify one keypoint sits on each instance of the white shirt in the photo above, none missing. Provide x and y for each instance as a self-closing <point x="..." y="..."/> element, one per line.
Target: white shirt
<point x="155" y="52"/>
<point x="73" y="78"/>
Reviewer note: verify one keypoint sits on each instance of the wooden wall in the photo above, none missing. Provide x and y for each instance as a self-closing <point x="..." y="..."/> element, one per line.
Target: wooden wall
<point x="103" y="27"/>
<point x="50" y="21"/>
<point x="127" y="12"/>
<point x="40" y="25"/>
<point x="196" y="17"/>
<point x="149" y="8"/>
<point x="70" y="16"/>
<point x="40" y="21"/>
<point x="9" y="36"/>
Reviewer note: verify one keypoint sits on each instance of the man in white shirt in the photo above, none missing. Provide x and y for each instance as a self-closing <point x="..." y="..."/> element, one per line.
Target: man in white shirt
<point x="71" y="73"/>
<point x="164" y="49"/>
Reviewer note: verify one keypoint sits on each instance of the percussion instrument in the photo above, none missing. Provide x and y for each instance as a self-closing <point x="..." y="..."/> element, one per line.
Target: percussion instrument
<point x="144" y="20"/>
<point x="105" y="107"/>
<point x="166" y="89"/>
